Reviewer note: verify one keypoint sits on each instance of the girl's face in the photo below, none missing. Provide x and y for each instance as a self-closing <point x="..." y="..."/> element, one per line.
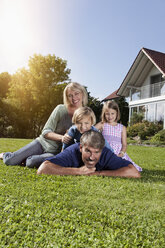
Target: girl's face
<point x="84" y="124"/>
<point x="75" y="97"/>
<point x="111" y="115"/>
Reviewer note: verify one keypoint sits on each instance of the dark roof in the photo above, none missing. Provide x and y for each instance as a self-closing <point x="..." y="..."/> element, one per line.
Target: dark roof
<point x="140" y="68"/>
<point x="157" y="57"/>
<point x="111" y="96"/>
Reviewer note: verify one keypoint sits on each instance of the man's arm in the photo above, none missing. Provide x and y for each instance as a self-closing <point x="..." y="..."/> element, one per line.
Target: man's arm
<point x="128" y="171"/>
<point x="53" y="169"/>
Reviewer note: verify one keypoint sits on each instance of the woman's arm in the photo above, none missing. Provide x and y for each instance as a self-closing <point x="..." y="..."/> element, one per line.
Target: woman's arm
<point x="52" y="123"/>
<point x="124" y="142"/>
<point x="54" y="136"/>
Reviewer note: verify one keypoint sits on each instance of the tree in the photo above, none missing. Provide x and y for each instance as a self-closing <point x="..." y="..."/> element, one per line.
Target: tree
<point x="124" y="110"/>
<point x="48" y="76"/>
<point x="34" y="93"/>
<point x="95" y="105"/>
<point x="5" y="78"/>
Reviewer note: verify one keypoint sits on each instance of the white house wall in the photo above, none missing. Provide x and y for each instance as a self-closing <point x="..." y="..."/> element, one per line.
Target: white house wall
<point x="148" y="102"/>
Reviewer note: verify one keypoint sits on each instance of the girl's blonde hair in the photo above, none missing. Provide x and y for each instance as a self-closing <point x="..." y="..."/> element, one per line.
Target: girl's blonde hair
<point x="75" y="86"/>
<point x="81" y="112"/>
<point x="110" y="105"/>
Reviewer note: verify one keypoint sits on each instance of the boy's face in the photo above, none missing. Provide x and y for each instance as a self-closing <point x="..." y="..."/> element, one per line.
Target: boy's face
<point x="90" y="155"/>
<point x="84" y="124"/>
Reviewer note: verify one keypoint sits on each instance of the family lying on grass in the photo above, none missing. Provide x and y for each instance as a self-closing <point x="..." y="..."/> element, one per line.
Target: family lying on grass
<point x="97" y="154"/>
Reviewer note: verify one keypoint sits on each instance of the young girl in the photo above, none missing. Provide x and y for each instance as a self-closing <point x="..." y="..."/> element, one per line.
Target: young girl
<point x="113" y="132"/>
<point x="84" y="119"/>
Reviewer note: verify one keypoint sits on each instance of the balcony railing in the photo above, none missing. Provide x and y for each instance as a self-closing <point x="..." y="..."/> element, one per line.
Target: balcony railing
<point x="147" y="91"/>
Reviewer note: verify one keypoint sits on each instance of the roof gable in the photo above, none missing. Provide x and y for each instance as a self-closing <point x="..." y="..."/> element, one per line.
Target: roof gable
<point x="143" y="63"/>
<point x="157" y="58"/>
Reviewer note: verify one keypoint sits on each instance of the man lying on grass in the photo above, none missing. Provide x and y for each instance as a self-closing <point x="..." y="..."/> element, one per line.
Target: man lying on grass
<point x="90" y="157"/>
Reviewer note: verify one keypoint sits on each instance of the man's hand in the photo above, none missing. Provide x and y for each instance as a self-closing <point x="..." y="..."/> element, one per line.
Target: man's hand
<point x="84" y="170"/>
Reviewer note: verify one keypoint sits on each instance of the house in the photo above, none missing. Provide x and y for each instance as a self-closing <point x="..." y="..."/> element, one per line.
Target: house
<point x="144" y="86"/>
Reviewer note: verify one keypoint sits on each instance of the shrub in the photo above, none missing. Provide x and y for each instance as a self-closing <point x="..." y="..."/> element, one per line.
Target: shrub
<point x="136" y="118"/>
<point x="133" y="130"/>
<point x="144" y="130"/>
<point x="160" y="136"/>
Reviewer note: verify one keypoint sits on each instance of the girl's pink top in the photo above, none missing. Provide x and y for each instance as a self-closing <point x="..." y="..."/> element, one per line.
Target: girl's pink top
<point x="113" y="135"/>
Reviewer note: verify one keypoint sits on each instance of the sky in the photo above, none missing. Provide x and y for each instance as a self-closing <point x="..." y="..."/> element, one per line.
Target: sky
<point x="99" y="39"/>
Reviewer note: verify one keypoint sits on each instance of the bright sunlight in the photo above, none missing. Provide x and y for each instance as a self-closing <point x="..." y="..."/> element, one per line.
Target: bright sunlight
<point x="17" y="32"/>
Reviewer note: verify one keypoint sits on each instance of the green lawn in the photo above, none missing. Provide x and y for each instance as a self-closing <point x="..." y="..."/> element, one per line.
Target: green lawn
<point x="82" y="211"/>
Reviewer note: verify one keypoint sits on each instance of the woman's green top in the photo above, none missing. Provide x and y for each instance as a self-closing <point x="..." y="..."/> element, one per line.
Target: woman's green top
<point x="58" y="122"/>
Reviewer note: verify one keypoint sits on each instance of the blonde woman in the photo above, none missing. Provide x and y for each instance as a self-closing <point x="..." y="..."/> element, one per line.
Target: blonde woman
<point x="50" y="141"/>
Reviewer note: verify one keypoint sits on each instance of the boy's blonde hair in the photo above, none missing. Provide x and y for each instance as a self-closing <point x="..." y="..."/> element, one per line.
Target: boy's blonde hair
<point x="81" y="112"/>
<point x="110" y="105"/>
<point x="75" y="86"/>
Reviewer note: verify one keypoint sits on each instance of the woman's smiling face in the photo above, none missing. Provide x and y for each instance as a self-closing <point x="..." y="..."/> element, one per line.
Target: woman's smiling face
<point x="75" y="97"/>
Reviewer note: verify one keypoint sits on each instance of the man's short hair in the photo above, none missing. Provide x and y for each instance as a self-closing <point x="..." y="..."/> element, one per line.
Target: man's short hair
<point x="93" y="139"/>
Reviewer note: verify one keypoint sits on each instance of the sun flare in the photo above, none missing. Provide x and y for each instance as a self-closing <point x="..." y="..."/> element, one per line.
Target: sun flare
<point x="17" y="36"/>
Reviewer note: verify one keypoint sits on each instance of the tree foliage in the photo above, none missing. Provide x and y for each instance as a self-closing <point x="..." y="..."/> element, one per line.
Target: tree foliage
<point x="95" y="105"/>
<point x="35" y="92"/>
<point x="124" y="110"/>
<point x="5" y="78"/>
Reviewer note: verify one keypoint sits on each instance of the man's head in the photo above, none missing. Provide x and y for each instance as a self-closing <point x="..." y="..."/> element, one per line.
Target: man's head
<point x="91" y="145"/>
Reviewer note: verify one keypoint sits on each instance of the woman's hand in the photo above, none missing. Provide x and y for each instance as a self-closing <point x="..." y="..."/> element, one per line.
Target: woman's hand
<point x="66" y="139"/>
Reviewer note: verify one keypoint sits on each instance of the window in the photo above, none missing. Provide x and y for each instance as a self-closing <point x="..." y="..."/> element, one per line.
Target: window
<point x="135" y="94"/>
<point x="133" y="110"/>
<point x="155" y="85"/>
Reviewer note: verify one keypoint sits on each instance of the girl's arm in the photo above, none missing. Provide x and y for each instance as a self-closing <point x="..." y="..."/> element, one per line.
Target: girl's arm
<point x="124" y="142"/>
<point x="99" y="126"/>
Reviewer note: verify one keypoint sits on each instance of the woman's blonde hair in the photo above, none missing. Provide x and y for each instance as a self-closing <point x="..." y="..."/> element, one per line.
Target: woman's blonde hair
<point x="75" y="86"/>
<point x="81" y="112"/>
<point x="110" y="105"/>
